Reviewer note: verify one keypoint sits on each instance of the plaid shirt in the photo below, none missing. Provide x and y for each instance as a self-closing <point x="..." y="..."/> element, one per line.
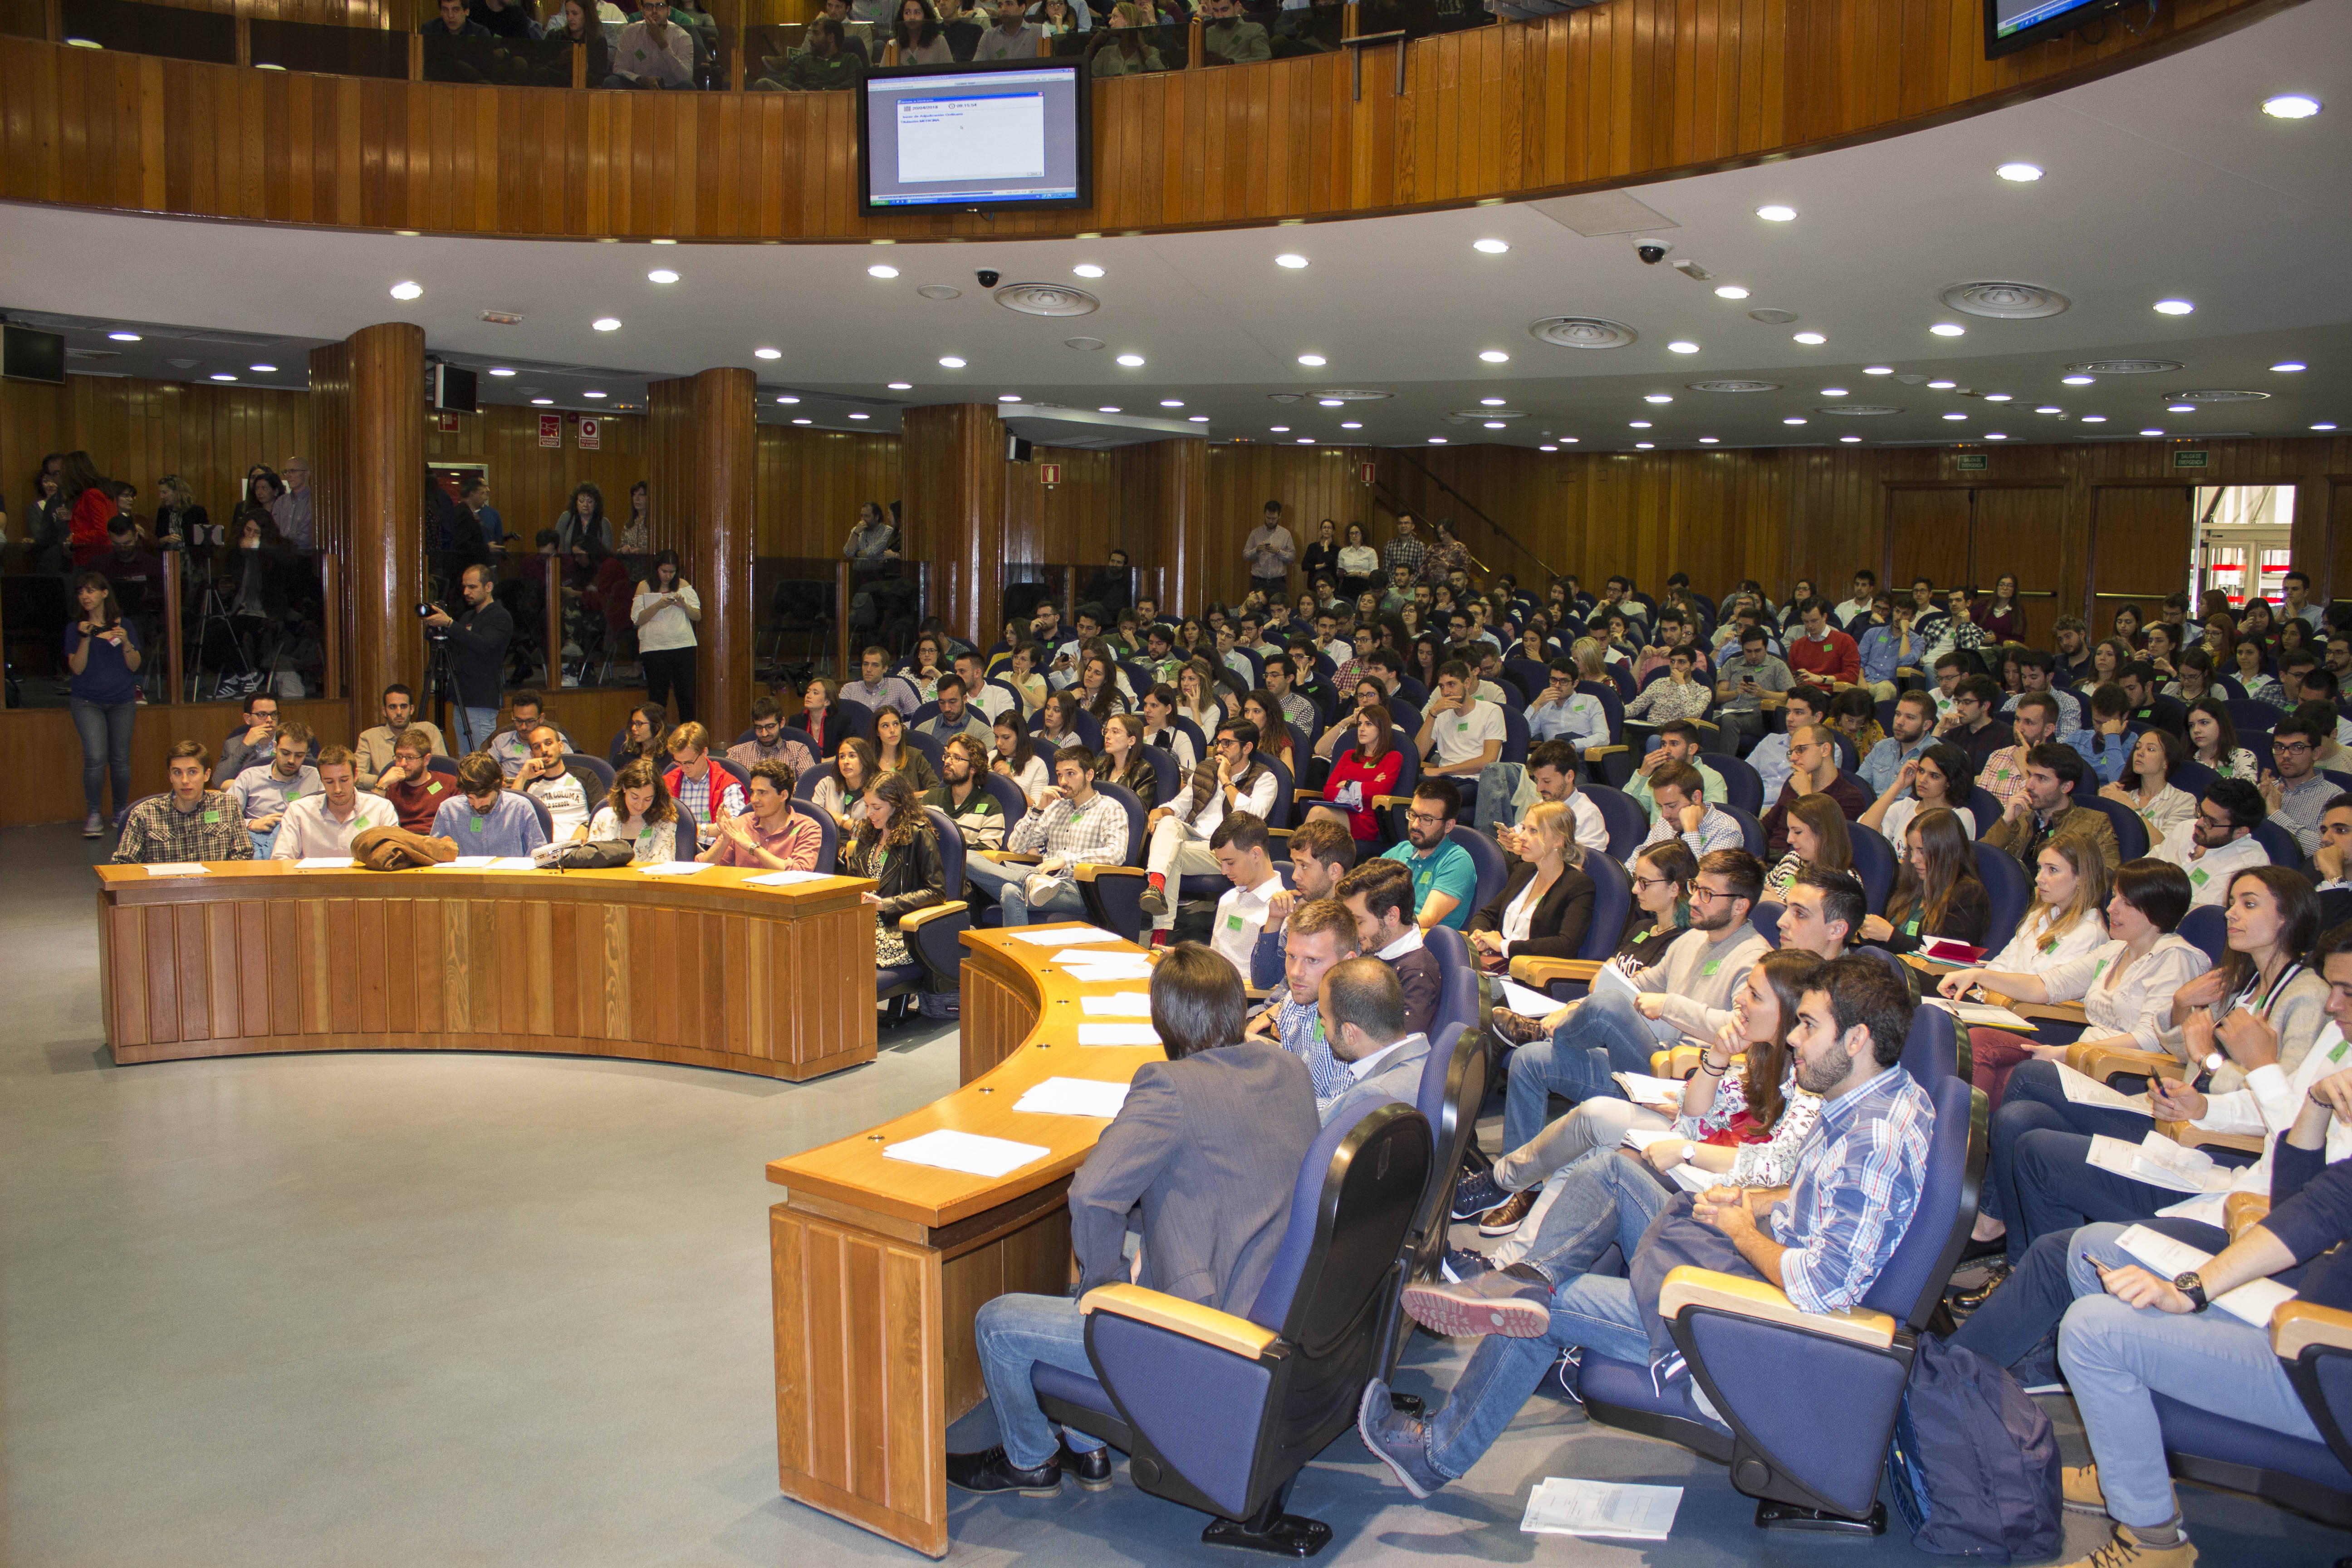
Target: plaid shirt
<point x="159" y="833"/>
<point x="1856" y="1185"/>
<point x="1409" y="552"/>
<point x="1094" y="834"/>
<point x="694" y="795"/>
<point x="1301" y="1030"/>
<point x="2003" y="777"/>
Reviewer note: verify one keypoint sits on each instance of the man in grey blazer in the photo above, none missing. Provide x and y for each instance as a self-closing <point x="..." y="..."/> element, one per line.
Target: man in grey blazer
<point x="1208" y="1147"/>
<point x="1362" y="1007"/>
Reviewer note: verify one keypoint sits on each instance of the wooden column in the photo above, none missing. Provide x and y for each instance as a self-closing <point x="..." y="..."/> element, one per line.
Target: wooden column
<point x="951" y="482"/>
<point x="705" y="452"/>
<point x="370" y="475"/>
<point x="1170" y="506"/>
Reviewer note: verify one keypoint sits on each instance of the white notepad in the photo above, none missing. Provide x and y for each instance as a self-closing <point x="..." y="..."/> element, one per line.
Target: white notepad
<point x="179" y="868"/>
<point x="467" y="863"/>
<point x="2253" y="1302"/>
<point x="673" y="867"/>
<point x="1688" y="1176"/>
<point x="1602" y="1509"/>
<point x="511" y="863"/>
<point x="2161" y="1162"/>
<point x="324" y="863"/>
<point x="785" y="879"/>
<point x="2082" y="1089"/>
<point x="1527" y="1001"/>
<point x="1118" y="1004"/>
<point x="1985" y="1016"/>
<point x="1118" y="1034"/>
<point x="1074" y="1096"/>
<point x="967" y="1151"/>
<point x="1085" y="964"/>
<point x="1068" y="938"/>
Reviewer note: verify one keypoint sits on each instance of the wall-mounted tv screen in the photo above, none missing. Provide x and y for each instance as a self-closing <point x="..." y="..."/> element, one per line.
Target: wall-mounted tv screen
<point x="1010" y="135"/>
<point x="2013" y="25"/>
<point x="29" y="355"/>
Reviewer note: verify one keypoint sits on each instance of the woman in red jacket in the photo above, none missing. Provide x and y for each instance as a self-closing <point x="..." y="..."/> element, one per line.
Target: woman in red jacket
<point x="1368" y="769"/>
<point x="93" y="503"/>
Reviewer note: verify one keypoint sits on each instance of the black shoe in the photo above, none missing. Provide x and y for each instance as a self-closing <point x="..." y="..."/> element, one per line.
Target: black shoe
<point x="1976" y="1296"/>
<point x="1998" y="1247"/>
<point x="1090" y="1469"/>
<point x="990" y="1471"/>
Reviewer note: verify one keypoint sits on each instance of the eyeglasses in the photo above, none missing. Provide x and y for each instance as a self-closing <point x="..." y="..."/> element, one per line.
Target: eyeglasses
<point x="1700" y="892"/>
<point x="2291" y="748"/>
<point x="1653" y="881"/>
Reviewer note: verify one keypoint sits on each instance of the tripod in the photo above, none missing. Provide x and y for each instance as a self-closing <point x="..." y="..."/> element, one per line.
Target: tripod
<point x="214" y="611"/>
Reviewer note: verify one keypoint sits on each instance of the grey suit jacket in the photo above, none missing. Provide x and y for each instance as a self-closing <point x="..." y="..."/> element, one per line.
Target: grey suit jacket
<point x="1211" y="1148"/>
<point x="1398" y="1078"/>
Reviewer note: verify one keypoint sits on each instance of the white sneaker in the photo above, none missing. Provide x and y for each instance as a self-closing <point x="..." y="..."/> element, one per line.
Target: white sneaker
<point x="92" y="827"/>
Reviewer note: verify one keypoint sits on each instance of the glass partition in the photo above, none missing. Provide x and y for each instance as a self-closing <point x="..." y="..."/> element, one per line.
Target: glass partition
<point x="37" y="605"/>
<point x="1134" y="51"/>
<point x="1419" y="19"/>
<point x="796" y="612"/>
<point x="173" y="32"/>
<point x="254" y="619"/>
<point x="328" y="50"/>
<point x="501" y="62"/>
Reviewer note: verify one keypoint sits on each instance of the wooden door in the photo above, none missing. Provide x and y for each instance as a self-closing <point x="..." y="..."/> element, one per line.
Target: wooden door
<point x="1927" y="536"/>
<point x="2022" y="531"/>
<point x="2141" y="538"/>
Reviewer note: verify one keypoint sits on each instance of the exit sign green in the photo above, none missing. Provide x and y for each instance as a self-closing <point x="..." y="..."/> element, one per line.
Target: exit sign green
<point x="1970" y="462"/>
<point x="2188" y="460"/>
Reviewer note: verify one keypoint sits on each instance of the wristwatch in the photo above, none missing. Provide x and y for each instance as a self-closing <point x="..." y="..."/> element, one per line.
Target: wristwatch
<point x="1690" y="1152"/>
<point x="2192" y="1287"/>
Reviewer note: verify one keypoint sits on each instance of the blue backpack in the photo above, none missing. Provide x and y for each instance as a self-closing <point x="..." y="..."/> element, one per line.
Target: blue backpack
<point x="1973" y="1463"/>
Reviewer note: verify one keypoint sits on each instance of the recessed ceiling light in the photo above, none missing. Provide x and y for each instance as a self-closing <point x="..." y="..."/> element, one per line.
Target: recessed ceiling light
<point x="592" y="394"/>
<point x="1810" y="339"/>
<point x="1833" y="392"/>
<point x="1008" y="397"/>
<point x="902" y="386"/>
<point x="502" y="370"/>
<point x="2023" y="174"/>
<point x="1731" y="291"/>
<point x="1279" y="429"/>
<point x="2323" y="426"/>
<point x="2283" y="365"/>
<point x="1496" y="425"/>
<point x="1707" y="440"/>
<point x="1497" y="402"/>
<point x="2181" y="408"/>
<point x="767" y="354"/>
<point x="1197" y="418"/>
<point x="1849" y="440"/>
<point x="1171" y="403"/>
<point x="2095" y="419"/>
<point x="1310" y="359"/>
<point x="2048" y="408"/>
<point x="788" y="399"/>
<point x="1995" y="435"/>
<point x="2290" y="106"/>
<point x="1107" y="408"/>
<point x="1656" y="397"/>
<point x="263" y="369"/>
<point x="1494" y="357"/>
<point x="861" y="417"/>
<point x="881" y="270"/>
<point x="2151" y="432"/>
<point x="607" y="324"/>
<point x="1351" y="423"/>
<point x="2077" y="380"/>
<point x="407" y="290"/>
<point x="1490" y="247"/>
<point x="133" y="337"/>
<point x="1087" y="269"/>
<point x="803" y="421"/>
<point x="1793" y="419"/>
<point x="1132" y="362"/>
<point x="1568" y="440"/>
<point x="1307" y="440"/>
<point x="223" y="375"/>
<point x="1332" y="402"/>
<point x="2174" y="307"/>
<point x="1290" y="259"/>
<point x="1878" y="370"/>
<point x="1646" y="445"/>
<point x="408" y="233"/>
<point x="1776" y="213"/>
<point x="1996" y="398"/>
<point x="1681" y="346"/>
<point x="1637" y="425"/>
<point x="1949" y="329"/>
<point x="542" y="402"/>
<point x="1546" y="447"/>
<point x="1955" y="417"/>
<point x="661" y="275"/>
<point x="1942" y="386"/>
<point x="950" y="362"/>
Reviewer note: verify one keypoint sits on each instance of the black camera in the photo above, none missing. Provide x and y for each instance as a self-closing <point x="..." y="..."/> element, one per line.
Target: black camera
<point x="425" y="608"/>
<point x="988" y="277"/>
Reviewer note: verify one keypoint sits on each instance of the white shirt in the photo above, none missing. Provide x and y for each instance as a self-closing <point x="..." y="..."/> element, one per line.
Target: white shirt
<point x="1409" y="942"/>
<point x="311" y="829"/>
<point x="566" y="802"/>
<point x="669" y="626"/>
<point x="2268" y="1105"/>
<point x="2209" y="874"/>
<point x="1899" y="814"/>
<point x="1591" y="828"/>
<point x="1241" y="917"/>
<point x="2140" y="1003"/>
<point x="2024" y="954"/>
<point x="1519" y="915"/>
<point x="1258" y="800"/>
<point x="1358" y="1071"/>
<point x="1460" y="736"/>
<point x="651" y="841"/>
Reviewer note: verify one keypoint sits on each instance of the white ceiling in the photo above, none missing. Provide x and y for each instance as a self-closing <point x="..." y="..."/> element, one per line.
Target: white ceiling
<point x="2163" y="182"/>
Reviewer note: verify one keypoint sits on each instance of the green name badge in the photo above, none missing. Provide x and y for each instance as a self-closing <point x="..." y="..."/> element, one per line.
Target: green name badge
<point x="2098" y="969"/>
<point x="1463" y="726"/>
<point x="433" y="789"/>
<point x="1710" y="967"/>
<point x="474" y="825"/>
<point x="2338" y="1054"/>
<point x="294" y="794"/>
<point x="2200" y="876"/>
<point x="212" y="816"/>
<point x="1233" y="922"/>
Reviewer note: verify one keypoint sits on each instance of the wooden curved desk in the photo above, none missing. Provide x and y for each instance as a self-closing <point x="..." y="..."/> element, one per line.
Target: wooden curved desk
<point x="698" y="971"/>
<point x="880" y="1265"/>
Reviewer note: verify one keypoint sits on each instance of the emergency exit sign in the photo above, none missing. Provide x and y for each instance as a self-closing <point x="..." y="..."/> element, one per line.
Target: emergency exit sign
<point x="2188" y="460"/>
<point x="1971" y="462"/>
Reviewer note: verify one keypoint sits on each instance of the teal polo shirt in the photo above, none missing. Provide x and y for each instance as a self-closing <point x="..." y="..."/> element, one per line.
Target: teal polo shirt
<point x="1446" y="870"/>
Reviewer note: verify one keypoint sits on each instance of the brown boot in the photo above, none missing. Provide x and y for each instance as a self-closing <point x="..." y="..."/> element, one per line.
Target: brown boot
<point x="1503" y="1219"/>
<point x="1517" y="1029"/>
<point x="2079" y="1486"/>
<point x="2127" y="1551"/>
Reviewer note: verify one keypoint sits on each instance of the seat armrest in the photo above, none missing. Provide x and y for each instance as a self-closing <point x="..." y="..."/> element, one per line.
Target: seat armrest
<point x="915" y="920"/>
<point x="2102" y="1062"/>
<point x="1221" y="1331"/>
<point x="2191" y="1136"/>
<point x="1086" y="873"/>
<point x="1590" y="752"/>
<point x="1689" y="1286"/>
<point x="1540" y="972"/>
<point x="2299" y="1326"/>
<point x="1386" y="801"/>
<point x="2241" y="1212"/>
<point x="1929" y="965"/>
<point x="2054" y="1012"/>
<point x="1298" y="794"/>
<point x="1007" y="858"/>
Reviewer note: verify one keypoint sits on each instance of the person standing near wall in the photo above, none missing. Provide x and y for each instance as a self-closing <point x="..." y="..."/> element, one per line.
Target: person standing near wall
<point x="665" y="611"/>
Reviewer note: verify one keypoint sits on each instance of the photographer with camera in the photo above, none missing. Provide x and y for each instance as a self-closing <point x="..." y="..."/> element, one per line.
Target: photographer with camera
<point x="478" y="656"/>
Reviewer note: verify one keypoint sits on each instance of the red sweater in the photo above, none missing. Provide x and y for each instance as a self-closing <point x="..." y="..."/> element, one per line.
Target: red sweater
<point x="1835" y="657"/>
<point x="1375" y="779"/>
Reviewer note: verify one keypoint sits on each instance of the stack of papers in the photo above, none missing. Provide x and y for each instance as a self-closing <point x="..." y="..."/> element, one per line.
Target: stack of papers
<point x="2253" y="1302"/>
<point x="1087" y="965"/>
<point x="324" y="863"/>
<point x="786" y="879"/>
<point x="1068" y="938"/>
<point x="673" y="867"/>
<point x="1118" y="1034"/>
<point x="1527" y="1001"/>
<point x="966" y="1152"/>
<point x="178" y="869"/>
<point x="1606" y="1509"/>
<point x="1688" y="1177"/>
<point x="1983" y="1014"/>
<point x="2161" y="1162"/>
<point x="469" y="863"/>
<point x="1118" y="1004"/>
<point x="1074" y="1096"/>
<point x="1610" y="977"/>
<point x="2082" y="1089"/>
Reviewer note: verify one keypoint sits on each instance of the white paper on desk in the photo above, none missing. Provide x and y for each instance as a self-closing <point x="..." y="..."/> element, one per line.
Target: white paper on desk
<point x="1118" y="1034"/>
<point x="673" y="867"/>
<point x="324" y="863"/>
<point x="511" y="863"/>
<point x="2161" y="1162"/>
<point x="1602" y="1509"/>
<point x="1118" y="1004"/>
<point x="1086" y="964"/>
<point x="785" y="879"/>
<point x="967" y="1151"/>
<point x="2082" y="1089"/>
<point x="1527" y="1001"/>
<point x="2253" y="1302"/>
<point x="467" y="863"/>
<point x="1074" y="1096"/>
<point x="1068" y="938"/>
<point x="180" y="869"/>
<point x="1643" y="1089"/>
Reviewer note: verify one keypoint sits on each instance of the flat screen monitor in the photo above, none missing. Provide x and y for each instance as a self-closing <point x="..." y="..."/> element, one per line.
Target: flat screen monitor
<point x="29" y="355"/>
<point x="1011" y="135"/>
<point x="2013" y="25"/>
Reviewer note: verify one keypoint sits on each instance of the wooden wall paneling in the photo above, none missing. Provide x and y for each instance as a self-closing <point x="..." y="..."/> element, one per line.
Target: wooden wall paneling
<point x="953" y="480"/>
<point x="140" y="430"/>
<point x="530" y="485"/>
<point x="810" y="483"/>
<point x="1926" y="536"/>
<point x="2141" y="538"/>
<point x="2022" y="530"/>
<point x="387" y="485"/>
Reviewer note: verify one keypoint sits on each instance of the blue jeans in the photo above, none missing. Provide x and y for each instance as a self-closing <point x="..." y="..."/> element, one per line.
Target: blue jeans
<point x="1608" y="1201"/>
<point x="1606" y="1034"/>
<point x="105" y="731"/>
<point x="1016" y="1333"/>
<point x="474" y="726"/>
<point x="2116" y="1357"/>
<point x="1003" y="883"/>
<point x="1598" y="1314"/>
<point x="2026" y="1309"/>
<point x="2035" y="1104"/>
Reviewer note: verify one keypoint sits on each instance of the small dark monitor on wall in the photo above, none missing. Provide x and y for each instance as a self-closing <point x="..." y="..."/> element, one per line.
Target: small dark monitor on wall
<point x="1017" y="134"/>
<point x="450" y="389"/>
<point x="28" y="355"/>
<point x="2014" y="24"/>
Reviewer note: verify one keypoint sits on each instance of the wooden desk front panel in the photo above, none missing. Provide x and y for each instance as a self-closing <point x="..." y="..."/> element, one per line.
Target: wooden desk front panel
<point x="718" y="977"/>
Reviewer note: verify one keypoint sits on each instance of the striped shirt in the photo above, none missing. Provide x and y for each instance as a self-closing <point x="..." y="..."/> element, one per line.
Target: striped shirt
<point x="1301" y="1029"/>
<point x="1855" y="1188"/>
<point x="1094" y="834"/>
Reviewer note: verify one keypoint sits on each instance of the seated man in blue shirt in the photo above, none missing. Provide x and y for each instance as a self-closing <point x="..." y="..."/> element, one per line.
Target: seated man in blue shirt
<point x="1823" y="1239"/>
<point x="1908" y="733"/>
<point x="489" y="818"/>
<point x="1444" y="878"/>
